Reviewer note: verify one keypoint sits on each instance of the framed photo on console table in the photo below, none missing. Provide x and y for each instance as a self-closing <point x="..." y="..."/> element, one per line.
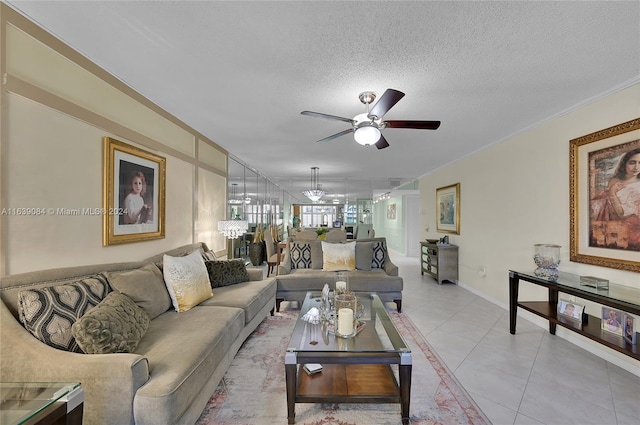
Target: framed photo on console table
<point x="604" y="170"/>
<point x="448" y="209"/>
<point x="570" y="310"/>
<point x="612" y="320"/>
<point x="134" y="194"/>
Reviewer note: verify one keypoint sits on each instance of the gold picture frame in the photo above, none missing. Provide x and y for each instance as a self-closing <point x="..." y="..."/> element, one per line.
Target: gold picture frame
<point x="603" y="230"/>
<point x="448" y="209"/>
<point x="134" y="194"/>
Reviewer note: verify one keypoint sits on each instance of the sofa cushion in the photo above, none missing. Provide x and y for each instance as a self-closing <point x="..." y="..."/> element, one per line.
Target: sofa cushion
<point x="183" y="351"/>
<point x="115" y="325"/>
<point x="252" y="297"/>
<point x="48" y="313"/>
<point x="364" y="254"/>
<point x="223" y="273"/>
<point x="145" y="286"/>
<point x="300" y="255"/>
<point x="317" y="261"/>
<point x="338" y="256"/>
<point x="187" y="280"/>
<point x="378" y="256"/>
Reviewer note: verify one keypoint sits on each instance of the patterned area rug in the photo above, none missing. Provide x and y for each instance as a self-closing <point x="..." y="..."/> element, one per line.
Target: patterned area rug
<point x="253" y="390"/>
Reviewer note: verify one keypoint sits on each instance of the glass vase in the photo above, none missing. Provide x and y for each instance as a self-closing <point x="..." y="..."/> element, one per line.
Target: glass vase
<point x="547" y="258"/>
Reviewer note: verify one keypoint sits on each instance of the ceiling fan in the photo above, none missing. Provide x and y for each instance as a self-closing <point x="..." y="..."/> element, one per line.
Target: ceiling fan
<point x="366" y="127"/>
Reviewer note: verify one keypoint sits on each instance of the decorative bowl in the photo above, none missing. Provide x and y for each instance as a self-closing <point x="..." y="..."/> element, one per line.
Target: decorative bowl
<point x="432" y="240"/>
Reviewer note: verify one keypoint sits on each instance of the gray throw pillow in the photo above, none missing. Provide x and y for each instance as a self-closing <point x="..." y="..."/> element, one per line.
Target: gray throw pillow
<point x="224" y="273"/>
<point x="116" y="325"/>
<point x="48" y="313"/>
<point x="364" y="255"/>
<point x="145" y="286"/>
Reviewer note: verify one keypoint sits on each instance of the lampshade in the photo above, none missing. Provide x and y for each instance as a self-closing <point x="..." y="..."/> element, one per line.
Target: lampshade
<point x="233" y="228"/>
<point x="316" y="192"/>
<point x="367" y="135"/>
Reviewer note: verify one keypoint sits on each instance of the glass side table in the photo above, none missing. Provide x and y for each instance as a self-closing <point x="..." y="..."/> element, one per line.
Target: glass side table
<point x="41" y="402"/>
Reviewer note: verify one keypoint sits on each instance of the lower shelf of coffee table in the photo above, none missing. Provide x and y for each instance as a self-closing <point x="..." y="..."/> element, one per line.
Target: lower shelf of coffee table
<point x="348" y="383"/>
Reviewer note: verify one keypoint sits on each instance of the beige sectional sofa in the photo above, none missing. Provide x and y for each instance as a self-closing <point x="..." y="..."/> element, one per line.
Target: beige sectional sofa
<point x="303" y="268"/>
<point x="169" y="376"/>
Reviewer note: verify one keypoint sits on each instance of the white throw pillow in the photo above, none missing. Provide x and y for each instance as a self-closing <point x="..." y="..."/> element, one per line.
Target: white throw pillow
<point x="187" y="280"/>
<point x="338" y="256"/>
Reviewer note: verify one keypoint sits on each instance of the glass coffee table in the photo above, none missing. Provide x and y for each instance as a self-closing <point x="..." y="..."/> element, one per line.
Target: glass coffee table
<point x="41" y="402"/>
<point x="354" y="370"/>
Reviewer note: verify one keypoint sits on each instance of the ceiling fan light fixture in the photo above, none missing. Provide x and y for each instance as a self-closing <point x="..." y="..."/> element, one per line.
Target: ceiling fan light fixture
<point x="367" y="135"/>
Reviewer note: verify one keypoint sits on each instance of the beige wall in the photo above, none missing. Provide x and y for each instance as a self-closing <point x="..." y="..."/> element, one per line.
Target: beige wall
<point x="515" y="194"/>
<point x="56" y="108"/>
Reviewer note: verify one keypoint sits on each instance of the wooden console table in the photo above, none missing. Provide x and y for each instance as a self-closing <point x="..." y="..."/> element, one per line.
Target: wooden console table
<point x="617" y="296"/>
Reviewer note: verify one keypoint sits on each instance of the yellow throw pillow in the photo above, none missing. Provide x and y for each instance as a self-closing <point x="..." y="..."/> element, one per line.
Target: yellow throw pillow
<point x="187" y="280"/>
<point x="338" y="256"/>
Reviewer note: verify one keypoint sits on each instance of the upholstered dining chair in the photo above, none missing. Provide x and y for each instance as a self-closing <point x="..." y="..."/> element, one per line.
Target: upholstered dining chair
<point x="272" y="254"/>
<point x="336" y="235"/>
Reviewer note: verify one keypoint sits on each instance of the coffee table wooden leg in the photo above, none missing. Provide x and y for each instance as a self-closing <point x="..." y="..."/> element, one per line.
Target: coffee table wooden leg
<point x="405" y="391"/>
<point x="291" y="370"/>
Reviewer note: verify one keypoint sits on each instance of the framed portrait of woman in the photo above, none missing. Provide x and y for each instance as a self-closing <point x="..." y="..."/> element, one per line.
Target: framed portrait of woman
<point x="134" y="194"/>
<point x="605" y="197"/>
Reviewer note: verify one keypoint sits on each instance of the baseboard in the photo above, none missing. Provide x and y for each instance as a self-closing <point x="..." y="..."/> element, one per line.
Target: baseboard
<point x="632" y="366"/>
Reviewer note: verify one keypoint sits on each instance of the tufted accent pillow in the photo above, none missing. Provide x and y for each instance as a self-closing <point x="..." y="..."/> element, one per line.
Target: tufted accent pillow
<point x="116" y="325"/>
<point x="224" y="273"/>
<point x="379" y="252"/>
<point x="145" y="286"/>
<point x="187" y="280"/>
<point x="48" y="313"/>
<point x="338" y="256"/>
<point x="300" y="255"/>
<point x="209" y="256"/>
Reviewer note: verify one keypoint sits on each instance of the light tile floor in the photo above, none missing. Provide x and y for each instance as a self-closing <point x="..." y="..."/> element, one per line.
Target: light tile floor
<point x="530" y="378"/>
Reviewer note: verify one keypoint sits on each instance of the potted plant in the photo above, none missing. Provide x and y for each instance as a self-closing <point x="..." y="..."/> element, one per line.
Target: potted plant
<point x="322" y="232"/>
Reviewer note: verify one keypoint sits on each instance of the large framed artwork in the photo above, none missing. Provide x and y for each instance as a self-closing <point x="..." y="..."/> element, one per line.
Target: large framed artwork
<point x="448" y="209"/>
<point x="605" y="197"/>
<point x="134" y="194"/>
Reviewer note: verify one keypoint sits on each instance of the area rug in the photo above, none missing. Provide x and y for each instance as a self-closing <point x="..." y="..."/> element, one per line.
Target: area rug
<point x="253" y="390"/>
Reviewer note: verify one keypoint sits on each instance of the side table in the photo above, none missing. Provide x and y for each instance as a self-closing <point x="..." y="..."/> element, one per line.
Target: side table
<point x="41" y="403"/>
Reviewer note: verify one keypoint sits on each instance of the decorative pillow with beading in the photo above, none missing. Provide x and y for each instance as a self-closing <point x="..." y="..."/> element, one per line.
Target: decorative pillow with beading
<point x="379" y="253"/>
<point x="48" y="313"/>
<point x="229" y="272"/>
<point x="300" y="255"/>
<point x="187" y="280"/>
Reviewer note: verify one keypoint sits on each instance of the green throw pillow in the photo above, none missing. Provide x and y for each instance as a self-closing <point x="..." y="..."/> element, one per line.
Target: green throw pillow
<point x="116" y="325"/>
<point x="224" y="273"/>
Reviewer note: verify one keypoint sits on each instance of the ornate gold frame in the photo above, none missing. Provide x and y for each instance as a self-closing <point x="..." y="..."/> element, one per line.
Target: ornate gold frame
<point x="117" y="154"/>
<point x="441" y="227"/>
<point x="579" y="202"/>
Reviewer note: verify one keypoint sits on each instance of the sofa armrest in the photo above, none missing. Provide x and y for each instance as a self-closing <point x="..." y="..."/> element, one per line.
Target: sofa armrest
<point x="255" y="274"/>
<point x="390" y="267"/>
<point x="107" y="379"/>
<point x="285" y="265"/>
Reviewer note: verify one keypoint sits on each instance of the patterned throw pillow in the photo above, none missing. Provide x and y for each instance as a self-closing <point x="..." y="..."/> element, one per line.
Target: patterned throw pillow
<point x="187" y="280"/>
<point x="209" y="256"/>
<point x="116" y="325"/>
<point x="48" y="313"/>
<point x="379" y="251"/>
<point x="338" y="256"/>
<point x="300" y="255"/>
<point x="223" y="273"/>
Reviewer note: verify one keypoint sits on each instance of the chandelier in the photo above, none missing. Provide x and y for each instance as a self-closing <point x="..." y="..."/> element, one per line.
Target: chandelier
<point x="233" y="199"/>
<point x="316" y="192"/>
<point x="233" y="228"/>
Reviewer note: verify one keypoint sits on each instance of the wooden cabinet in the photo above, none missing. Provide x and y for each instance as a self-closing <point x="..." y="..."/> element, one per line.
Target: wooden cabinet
<point x="439" y="261"/>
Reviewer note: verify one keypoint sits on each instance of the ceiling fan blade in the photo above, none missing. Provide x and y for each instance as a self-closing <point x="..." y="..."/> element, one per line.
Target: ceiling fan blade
<point x="335" y="136"/>
<point x="420" y="125"/>
<point x="382" y="143"/>
<point x="386" y="102"/>
<point x="330" y="117"/>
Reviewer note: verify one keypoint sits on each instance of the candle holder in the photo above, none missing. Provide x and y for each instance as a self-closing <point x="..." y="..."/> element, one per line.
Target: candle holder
<point x="346" y="305"/>
<point x="342" y="282"/>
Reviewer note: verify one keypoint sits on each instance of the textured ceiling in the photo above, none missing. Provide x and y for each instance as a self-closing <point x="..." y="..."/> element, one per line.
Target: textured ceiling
<point x="241" y="73"/>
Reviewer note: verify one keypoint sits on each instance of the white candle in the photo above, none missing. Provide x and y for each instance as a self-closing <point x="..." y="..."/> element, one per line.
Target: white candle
<point x="345" y="321"/>
<point x="341" y="285"/>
